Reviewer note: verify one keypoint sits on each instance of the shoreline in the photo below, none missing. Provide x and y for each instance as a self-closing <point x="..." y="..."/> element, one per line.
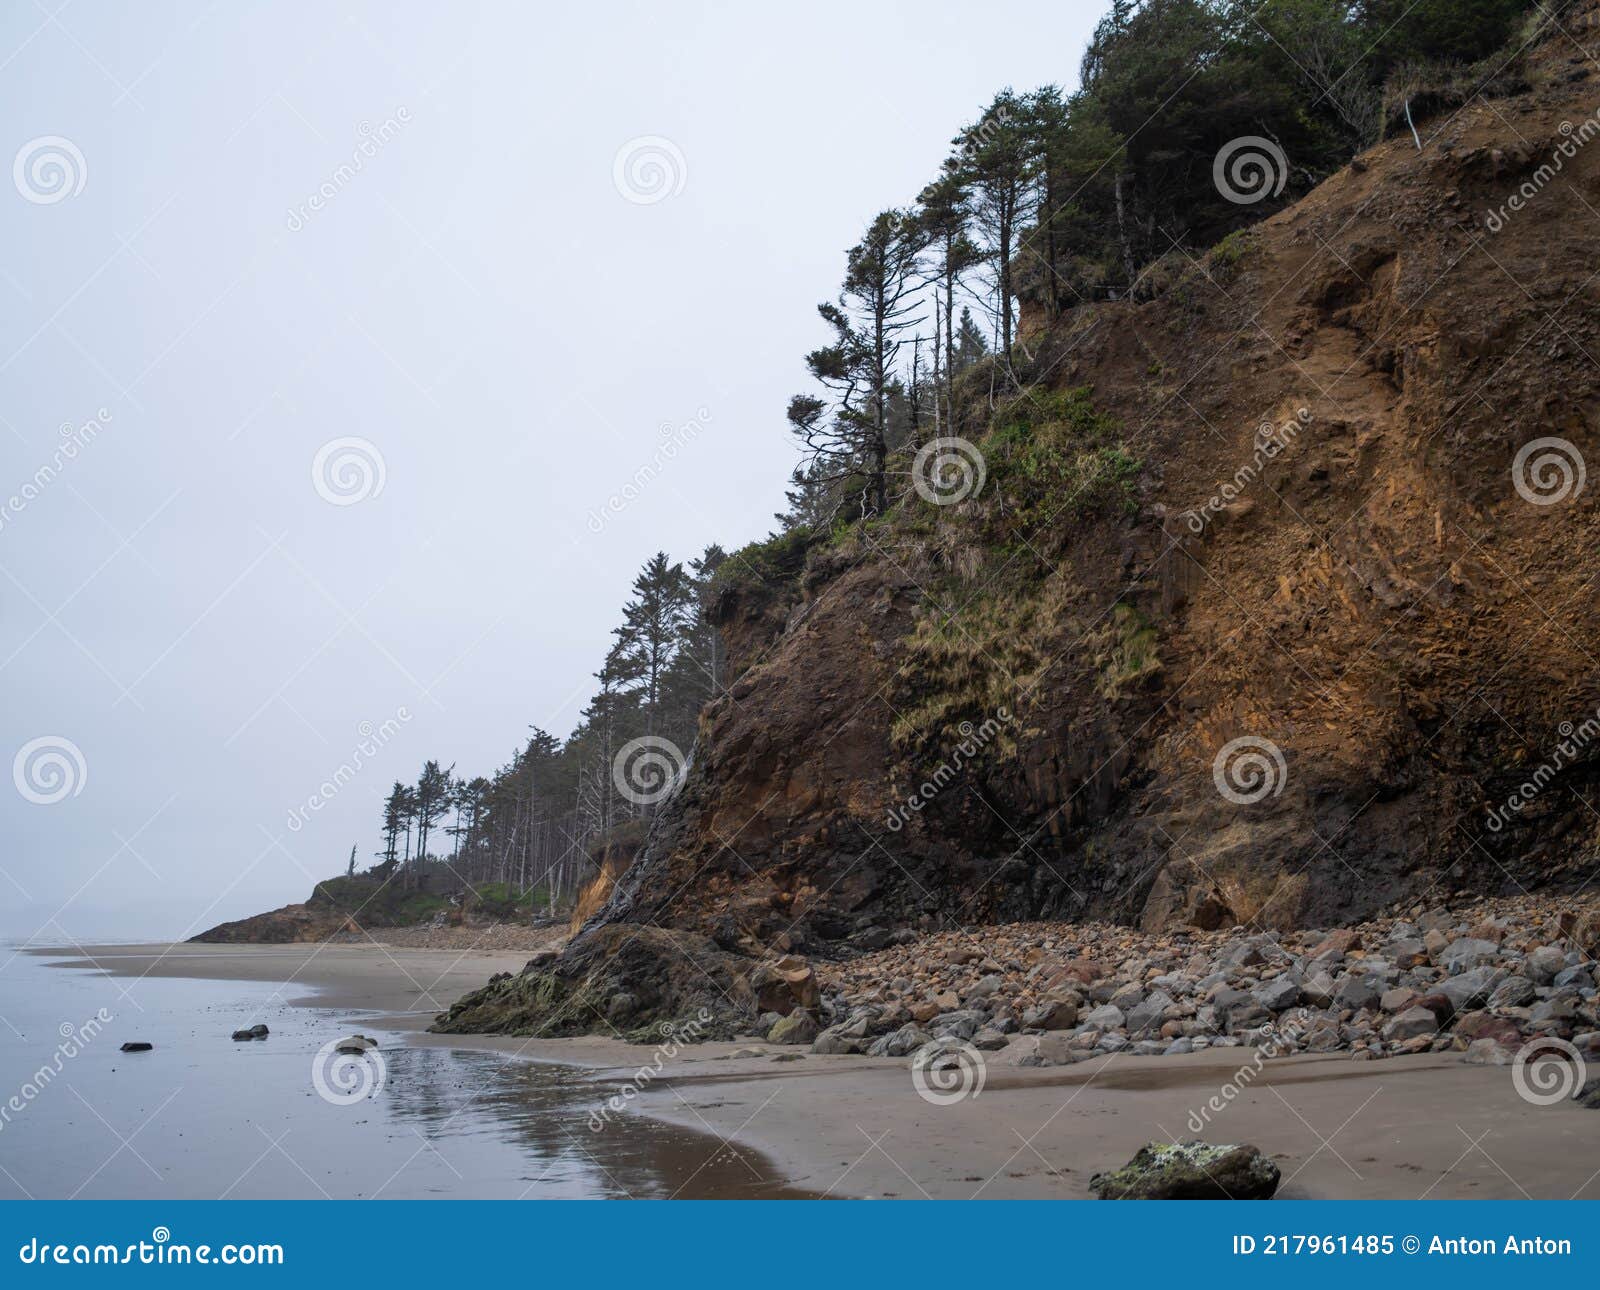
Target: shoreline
<point x="1425" y="1125"/>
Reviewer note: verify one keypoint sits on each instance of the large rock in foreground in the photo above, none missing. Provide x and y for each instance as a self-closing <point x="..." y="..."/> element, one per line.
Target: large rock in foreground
<point x="1190" y="1171"/>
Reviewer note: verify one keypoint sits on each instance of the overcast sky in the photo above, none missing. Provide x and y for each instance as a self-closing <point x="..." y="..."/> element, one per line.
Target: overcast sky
<point x="238" y="239"/>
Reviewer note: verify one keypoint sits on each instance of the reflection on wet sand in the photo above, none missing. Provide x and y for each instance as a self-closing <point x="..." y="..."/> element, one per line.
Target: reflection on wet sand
<point x="546" y="1109"/>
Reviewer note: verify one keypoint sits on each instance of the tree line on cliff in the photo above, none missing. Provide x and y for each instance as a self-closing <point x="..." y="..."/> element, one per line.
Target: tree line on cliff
<point x="1046" y="200"/>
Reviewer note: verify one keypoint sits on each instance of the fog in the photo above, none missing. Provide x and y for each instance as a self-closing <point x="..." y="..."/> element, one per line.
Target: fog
<point x="334" y="338"/>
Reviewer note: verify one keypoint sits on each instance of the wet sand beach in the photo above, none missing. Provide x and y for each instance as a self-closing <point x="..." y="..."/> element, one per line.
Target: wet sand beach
<point x="1405" y="1127"/>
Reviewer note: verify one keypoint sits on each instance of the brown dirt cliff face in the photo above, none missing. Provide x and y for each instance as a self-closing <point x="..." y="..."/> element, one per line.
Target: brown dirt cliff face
<point x="1331" y="551"/>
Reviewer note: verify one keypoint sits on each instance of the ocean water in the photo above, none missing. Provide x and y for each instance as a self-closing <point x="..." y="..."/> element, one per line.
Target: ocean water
<point x="201" y="1116"/>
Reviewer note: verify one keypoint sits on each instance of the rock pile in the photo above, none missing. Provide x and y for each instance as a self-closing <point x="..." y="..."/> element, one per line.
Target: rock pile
<point x="1482" y="980"/>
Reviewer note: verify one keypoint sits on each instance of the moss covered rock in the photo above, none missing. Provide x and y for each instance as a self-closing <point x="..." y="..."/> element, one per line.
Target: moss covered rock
<point x="1190" y="1171"/>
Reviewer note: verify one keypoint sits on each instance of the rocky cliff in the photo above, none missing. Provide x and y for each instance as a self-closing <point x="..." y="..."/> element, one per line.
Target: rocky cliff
<point x="1276" y="605"/>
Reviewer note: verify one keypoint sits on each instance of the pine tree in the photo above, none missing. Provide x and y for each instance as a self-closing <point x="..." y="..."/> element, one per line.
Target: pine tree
<point x="944" y="211"/>
<point x="653" y="622"/>
<point x="849" y="439"/>
<point x="996" y="161"/>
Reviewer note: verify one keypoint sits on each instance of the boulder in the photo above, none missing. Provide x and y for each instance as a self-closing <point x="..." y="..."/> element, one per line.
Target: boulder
<point x="962" y="1024"/>
<point x="1407" y="953"/>
<point x="797" y="1028"/>
<point x="1468" y="952"/>
<point x="1542" y="965"/>
<point x="1051" y="1015"/>
<point x="1340" y="942"/>
<point x="784" y="985"/>
<point x="137" y="1046"/>
<point x="1190" y="1171"/>
<point x="1410" y="1024"/>
<point x="1279" y="994"/>
<point x="1488" y="1052"/>
<point x="1149" y="1014"/>
<point x="1471" y="989"/>
<point x="1106" y="1017"/>
<point x="1513" y="992"/>
<point x="902" y="1042"/>
<point x="1357" y="992"/>
<point x="834" y="1042"/>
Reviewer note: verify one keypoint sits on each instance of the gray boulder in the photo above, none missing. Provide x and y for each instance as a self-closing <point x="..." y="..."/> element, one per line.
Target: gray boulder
<point x="1280" y="994"/>
<point x="1467" y="952"/>
<point x="1513" y="992"/>
<point x="1357" y="992"/>
<point x="900" y="1043"/>
<point x="1544" y="964"/>
<point x="1106" y="1017"/>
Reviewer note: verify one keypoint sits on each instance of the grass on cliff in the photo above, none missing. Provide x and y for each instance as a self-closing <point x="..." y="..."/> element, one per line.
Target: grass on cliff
<point x="996" y="605"/>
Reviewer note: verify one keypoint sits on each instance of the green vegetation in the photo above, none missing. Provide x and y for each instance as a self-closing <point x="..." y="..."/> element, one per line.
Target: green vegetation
<point x="375" y="902"/>
<point x="1128" y="655"/>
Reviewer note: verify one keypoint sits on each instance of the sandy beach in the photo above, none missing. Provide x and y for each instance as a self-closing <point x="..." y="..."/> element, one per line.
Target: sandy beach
<point x="1407" y="1127"/>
